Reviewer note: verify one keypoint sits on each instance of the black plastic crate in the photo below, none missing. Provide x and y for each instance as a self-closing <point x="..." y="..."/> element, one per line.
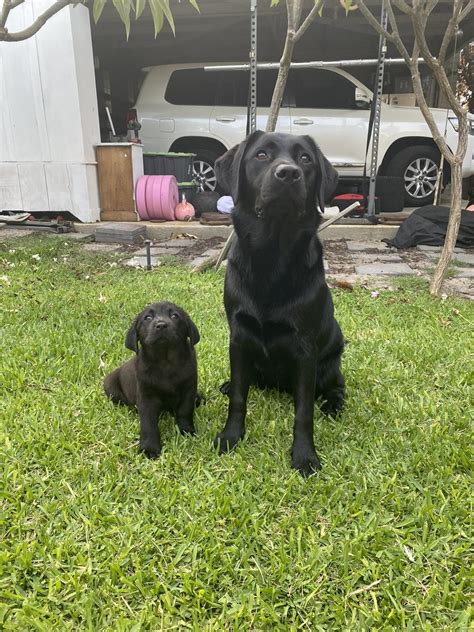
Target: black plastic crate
<point x="179" y="165"/>
<point x="391" y="191"/>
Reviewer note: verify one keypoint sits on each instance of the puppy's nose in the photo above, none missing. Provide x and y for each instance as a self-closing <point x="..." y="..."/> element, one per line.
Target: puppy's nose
<point x="161" y="324"/>
<point x="288" y="173"/>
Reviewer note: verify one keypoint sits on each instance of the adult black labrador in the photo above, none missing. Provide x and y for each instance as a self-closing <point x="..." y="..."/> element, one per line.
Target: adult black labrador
<point x="283" y="332"/>
<point x="163" y="373"/>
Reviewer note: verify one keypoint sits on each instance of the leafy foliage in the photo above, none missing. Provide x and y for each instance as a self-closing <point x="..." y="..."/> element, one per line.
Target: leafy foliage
<point x="160" y="11"/>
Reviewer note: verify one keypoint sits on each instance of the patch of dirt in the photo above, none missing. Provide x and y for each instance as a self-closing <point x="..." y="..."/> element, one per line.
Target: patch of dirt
<point x="201" y="246"/>
<point x="338" y="257"/>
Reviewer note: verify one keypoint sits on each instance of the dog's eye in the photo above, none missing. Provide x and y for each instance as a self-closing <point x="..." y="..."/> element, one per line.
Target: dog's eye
<point x="148" y="317"/>
<point x="305" y="158"/>
<point x="261" y="155"/>
<point x="173" y="316"/>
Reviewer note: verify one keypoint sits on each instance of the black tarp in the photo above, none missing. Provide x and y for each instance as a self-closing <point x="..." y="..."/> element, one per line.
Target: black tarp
<point x="428" y="225"/>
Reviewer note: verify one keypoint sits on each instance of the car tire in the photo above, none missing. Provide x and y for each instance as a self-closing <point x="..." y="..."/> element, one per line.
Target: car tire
<point x="203" y="169"/>
<point x="418" y="167"/>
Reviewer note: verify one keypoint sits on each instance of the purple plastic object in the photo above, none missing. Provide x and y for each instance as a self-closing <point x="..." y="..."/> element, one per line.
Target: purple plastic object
<point x="157" y="197"/>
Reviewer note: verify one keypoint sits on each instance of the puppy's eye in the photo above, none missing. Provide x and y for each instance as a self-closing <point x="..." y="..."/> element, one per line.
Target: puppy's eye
<point x="305" y="158"/>
<point x="148" y="317"/>
<point x="261" y="155"/>
<point x="173" y="316"/>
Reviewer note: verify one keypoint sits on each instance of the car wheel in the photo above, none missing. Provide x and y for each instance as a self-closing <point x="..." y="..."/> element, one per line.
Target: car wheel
<point x="418" y="166"/>
<point x="203" y="169"/>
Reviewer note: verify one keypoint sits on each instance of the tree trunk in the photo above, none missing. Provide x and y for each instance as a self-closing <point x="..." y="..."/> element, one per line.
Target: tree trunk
<point x="452" y="232"/>
<point x="282" y="78"/>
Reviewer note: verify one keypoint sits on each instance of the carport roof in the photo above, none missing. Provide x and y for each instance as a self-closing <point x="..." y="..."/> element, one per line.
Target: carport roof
<point x="221" y="33"/>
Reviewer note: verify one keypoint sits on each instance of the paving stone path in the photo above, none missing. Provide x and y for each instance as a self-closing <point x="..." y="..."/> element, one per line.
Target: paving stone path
<point x="371" y="263"/>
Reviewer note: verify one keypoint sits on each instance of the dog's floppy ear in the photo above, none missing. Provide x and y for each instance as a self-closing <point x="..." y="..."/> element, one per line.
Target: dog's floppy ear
<point x="327" y="177"/>
<point x="193" y="331"/>
<point x="131" y="339"/>
<point x="228" y="167"/>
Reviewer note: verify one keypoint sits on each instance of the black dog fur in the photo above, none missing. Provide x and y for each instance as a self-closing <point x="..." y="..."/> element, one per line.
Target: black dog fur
<point x="163" y="373"/>
<point x="279" y="308"/>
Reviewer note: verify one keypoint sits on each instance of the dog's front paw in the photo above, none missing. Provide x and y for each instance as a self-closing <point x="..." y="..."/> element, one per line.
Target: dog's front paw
<point x="305" y="460"/>
<point x="226" y="442"/>
<point x="332" y="406"/>
<point x="187" y="429"/>
<point x="150" y="451"/>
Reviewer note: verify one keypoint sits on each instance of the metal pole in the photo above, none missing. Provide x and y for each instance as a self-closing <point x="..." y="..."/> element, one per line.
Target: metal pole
<point x="253" y="65"/>
<point x="377" y="113"/>
<point x="342" y="63"/>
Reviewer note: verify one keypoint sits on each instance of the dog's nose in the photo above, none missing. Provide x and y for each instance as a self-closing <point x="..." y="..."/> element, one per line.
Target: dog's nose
<point x="288" y="173"/>
<point x="161" y="324"/>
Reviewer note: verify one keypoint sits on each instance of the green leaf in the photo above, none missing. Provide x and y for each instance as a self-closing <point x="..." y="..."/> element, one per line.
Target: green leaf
<point x="157" y="14"/>
<point x="165" y="6"/>
<point x="347" y="4"/>
<point x="139" y="6"/>
<point x="195" y="5"/>
<point x="274" y="3"/>
<point x="123" y="9"/>
<point x="97" y="9"/>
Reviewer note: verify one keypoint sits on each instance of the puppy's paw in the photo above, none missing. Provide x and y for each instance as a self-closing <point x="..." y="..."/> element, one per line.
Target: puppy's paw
<point x="226" y="442"/>
<point x="306" y="461"/>
<point x="225" y="388"/>
<point x="200" y="399"/>
<point x="150" y="451"/>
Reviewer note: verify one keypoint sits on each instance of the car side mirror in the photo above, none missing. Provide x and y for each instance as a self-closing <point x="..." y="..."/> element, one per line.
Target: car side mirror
<point x="362" y="99"/>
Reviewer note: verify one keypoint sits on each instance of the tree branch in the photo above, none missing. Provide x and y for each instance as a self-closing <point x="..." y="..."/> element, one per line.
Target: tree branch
<point x="449" y="30"/>
<point x="372" y="20"/>
<point x="309" y="18"/>
<point x="403" y="6"/>
<point x="467" y="9"/>
<point x="40" y="21"/>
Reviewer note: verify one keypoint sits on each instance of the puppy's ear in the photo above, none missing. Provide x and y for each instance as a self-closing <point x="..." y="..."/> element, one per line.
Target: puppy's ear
<point x="193" y="332"/>
<point x="131" y="339"/>
<point x="228" y="166"/>
<point x="327" y="176"/>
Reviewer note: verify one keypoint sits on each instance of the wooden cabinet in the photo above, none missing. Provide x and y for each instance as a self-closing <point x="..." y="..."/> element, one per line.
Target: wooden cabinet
<point x="119" y="165"/>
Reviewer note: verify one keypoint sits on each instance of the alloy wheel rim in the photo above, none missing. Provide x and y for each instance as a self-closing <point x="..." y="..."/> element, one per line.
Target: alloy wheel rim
<point x="420" y="178"/>
<point x="204" y="175"/>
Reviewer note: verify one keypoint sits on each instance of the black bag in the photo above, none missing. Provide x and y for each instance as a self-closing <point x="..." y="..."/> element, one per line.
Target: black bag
<point x="428" y="225"/>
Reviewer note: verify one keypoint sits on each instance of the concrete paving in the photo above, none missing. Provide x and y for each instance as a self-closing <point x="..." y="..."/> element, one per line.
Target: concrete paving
<point x="464" y="258"/>
<point x="141" y="262"/>
<point x="93" y="247"/>
<point x="392" y="269"/>
<point x="464" y="273"/>
<point x="363" y="246"/>
<point x="424" y="248"/>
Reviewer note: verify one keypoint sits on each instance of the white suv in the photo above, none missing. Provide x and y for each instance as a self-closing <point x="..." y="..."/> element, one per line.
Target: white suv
<point x="185" y="108"/>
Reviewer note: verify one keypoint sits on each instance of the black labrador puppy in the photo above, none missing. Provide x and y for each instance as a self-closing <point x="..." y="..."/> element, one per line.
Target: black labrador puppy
<point x="163" y="373"/>
<point x="283" y="333"/>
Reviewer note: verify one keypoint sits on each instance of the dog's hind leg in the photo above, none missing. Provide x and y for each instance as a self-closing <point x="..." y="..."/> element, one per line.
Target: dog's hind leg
<point x="113" y="390"/>
<point x="330" y="385"/>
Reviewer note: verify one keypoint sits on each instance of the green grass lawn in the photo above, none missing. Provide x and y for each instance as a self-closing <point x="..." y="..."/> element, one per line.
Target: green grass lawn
<point x="96" y="537"/>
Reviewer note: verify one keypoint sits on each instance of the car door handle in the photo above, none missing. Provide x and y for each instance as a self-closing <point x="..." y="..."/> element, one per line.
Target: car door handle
<point x="225" y="119"/>
<point x="303" y="121"/>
